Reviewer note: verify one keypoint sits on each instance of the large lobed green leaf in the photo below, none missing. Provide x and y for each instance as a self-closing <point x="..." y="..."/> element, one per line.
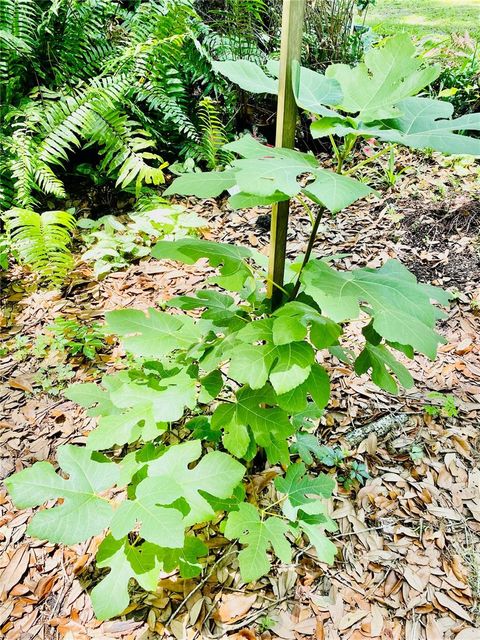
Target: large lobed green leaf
<point x="265" y="175"/>
<point x="399" y="305"/>
<point x="258" y="536"/>
<point x="84" y="513"/>
<point x="423" y="123"/>
<point x="235" y="272"/>
<point x="170" y="478"/>
<point x="390" y="73"/>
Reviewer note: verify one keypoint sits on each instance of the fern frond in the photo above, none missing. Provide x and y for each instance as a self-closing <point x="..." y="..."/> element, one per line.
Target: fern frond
<point x="41" y="241"/>
<point x="213" y="136"/>
<point x="18" y="24"/>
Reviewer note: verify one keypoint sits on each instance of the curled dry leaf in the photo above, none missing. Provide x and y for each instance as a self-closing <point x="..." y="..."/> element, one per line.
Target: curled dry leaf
<point x="433" y="630"/>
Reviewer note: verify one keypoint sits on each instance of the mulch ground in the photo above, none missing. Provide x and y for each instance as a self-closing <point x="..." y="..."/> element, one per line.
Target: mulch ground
<point x="409" y="540"/>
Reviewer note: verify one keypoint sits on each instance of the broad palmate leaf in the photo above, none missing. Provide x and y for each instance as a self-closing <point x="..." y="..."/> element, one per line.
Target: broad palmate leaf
<point x="154" y="335"/>
<point x="170" y="478"/>
<point x="134" y="409"/>
<point x="258" y="536"/>
<point x="390" y="73"/>
<point x="299" y="487"/>
<point x="231" y="259"/>
<point x="423" y="123"/>
<point x="312" y="89"/>
<point x="383" y="364"/>
<point x="84" y="513"/>
<point x="427" y="124"/>
<point x="110" y="597"/>
<point x="265" y="175"/>
<point x="399" y="305"/>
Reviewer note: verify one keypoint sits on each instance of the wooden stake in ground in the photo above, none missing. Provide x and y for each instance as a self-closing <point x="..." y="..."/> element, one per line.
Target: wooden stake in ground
<point x="291" y="46"/>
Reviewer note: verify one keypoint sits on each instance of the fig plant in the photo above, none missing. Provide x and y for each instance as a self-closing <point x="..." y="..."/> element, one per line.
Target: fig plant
<point x="219" y="377"/>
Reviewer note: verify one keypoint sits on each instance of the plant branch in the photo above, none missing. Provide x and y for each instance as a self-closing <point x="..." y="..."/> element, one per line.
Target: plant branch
<point x="308" y="252"/>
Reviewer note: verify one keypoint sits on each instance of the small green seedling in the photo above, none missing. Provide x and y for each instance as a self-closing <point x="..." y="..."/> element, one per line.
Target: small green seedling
<point x="72" y="337"/>
<point x="446" y="409"/>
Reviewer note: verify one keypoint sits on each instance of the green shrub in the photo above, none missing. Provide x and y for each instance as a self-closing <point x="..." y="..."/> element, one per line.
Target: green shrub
<point x="206" y="393"/>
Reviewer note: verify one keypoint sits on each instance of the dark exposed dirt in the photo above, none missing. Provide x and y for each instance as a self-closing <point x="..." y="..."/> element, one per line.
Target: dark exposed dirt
<point x="441" y="244"/>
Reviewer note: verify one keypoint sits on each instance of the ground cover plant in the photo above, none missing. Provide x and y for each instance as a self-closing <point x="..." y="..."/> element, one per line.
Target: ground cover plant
<point x="237" y="382"/>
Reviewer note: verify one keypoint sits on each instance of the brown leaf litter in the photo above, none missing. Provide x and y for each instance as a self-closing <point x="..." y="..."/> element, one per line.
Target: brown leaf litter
<point x="409" y="556"/>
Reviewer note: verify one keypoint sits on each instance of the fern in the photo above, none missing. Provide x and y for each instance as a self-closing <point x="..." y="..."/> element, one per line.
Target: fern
<point x="107" y="77"/>
<point x="212" y="136"/>
<point x="41" y="241"/>
<point x="18" y="24"/>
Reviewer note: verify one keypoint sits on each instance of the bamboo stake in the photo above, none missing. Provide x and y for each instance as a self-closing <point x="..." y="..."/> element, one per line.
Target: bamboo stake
<point x="292" y="31"/>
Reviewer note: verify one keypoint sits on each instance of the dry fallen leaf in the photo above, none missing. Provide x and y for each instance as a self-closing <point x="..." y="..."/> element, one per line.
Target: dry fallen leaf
<point x="468" y="634"/>
<point x="21" y="383"/>
<point x="433" y="630"/>
<point x="14" y="571"/>
<point x="233" y="607"/>
<point x="450" y="604"/>
<point x="349" y="619"/>
<point x="244" y="634"/>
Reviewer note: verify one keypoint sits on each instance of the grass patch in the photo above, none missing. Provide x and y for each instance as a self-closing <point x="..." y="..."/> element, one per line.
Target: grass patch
<point x="423" y="17"/>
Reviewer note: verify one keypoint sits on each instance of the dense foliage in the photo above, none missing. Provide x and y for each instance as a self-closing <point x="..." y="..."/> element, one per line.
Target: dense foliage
<point x="121" y="79"/>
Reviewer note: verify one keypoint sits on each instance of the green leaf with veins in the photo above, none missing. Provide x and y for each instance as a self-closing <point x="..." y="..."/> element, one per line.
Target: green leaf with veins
<point x="186" y="558"/>
<point x="258" y="536"/>
<point x="250" y="364"/>
<point x="167" y="402"/>
<point x="324" y="332"/>
<point x="204" y="185"/>
<point x="212" y="384"/>
<point x="267" y="174"/>
<point x="160" y="525"/>
<point x="424" y="123"/>
<point x="127" y="426"/>
<point x="94" y="397"/>
<point x="427" y="124"/>
<point x="381" y="361"/>
<point x="154" y="335"/>
<point x="274" y="172"/>
<point x="297" y="486"/>
<point x="286" y="329"/>
<point x="313" y="90"/>
<point x="236" y="438"/>
<point x="170" y="478"/>
<point x="248" y="75"/>
<point x="307" y="417"/>
<point x="334" y="191"/>
<point x="270" y="425"/>
<point x="318" y="385"/>
<point x="305" y="445"/>
<point x="400" y="307"/>
<point x="142" y="411"/>
<point x="231" y="259"/>
<point x="110" y="597"/>
<point x="325" y="548"/>
<point x="83" y="513"/>
<point x="294" y="400"/>
<point x="219" y="308"/>
<point x="391" y="72"/>
<point x="292" y="366"/>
